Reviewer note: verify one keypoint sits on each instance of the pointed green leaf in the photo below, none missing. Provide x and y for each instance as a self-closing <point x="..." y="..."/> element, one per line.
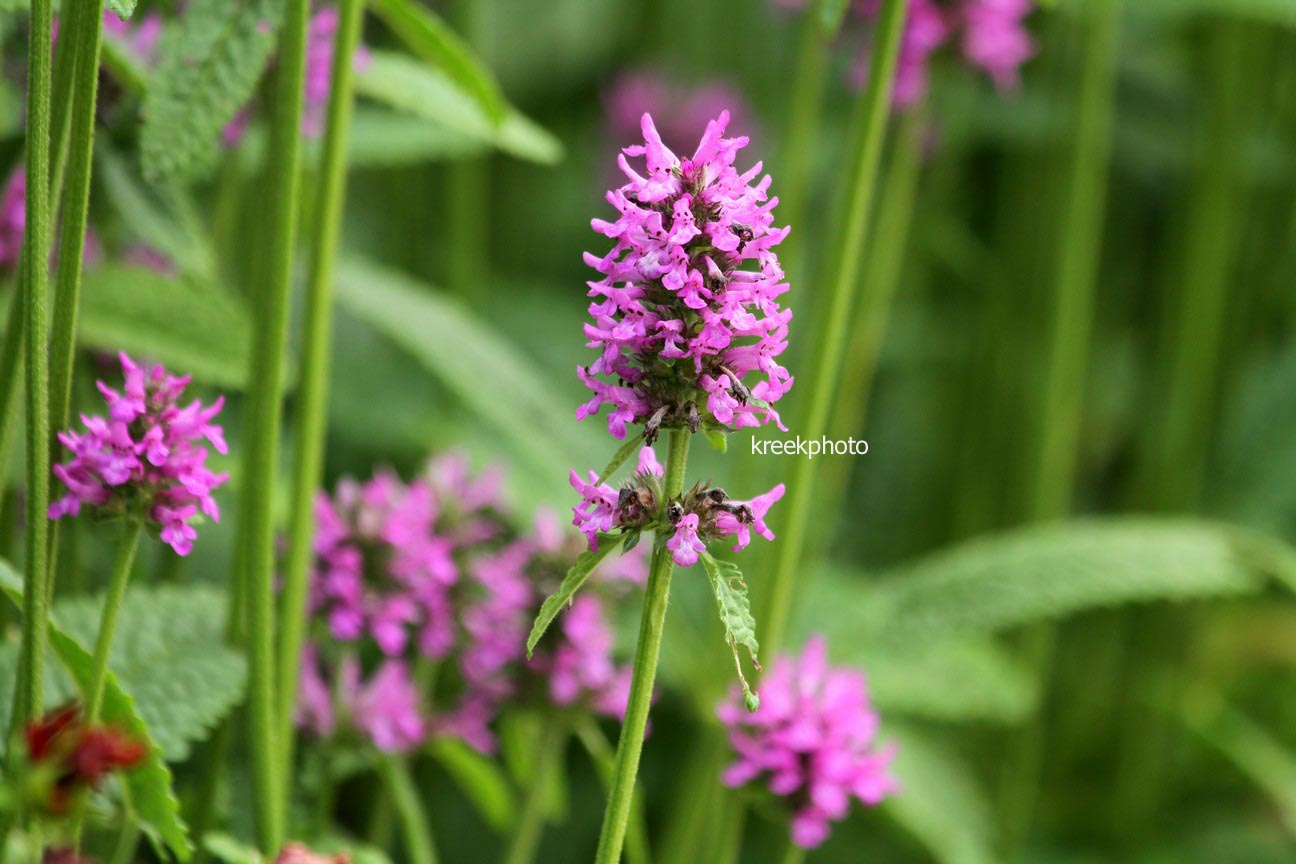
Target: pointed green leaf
<point x="124" y="8"/>
<point x="151" y="795"/>
<point x="428" y="36"/>
<point x="212" y="59"/>
<point x="624" y="452"/>
<point x="480" y="779"/>
<point x="423" y="91"/>
<point x="572" y="582"/>
<point x="718" y="440"/>
<point x="735" y="614"/>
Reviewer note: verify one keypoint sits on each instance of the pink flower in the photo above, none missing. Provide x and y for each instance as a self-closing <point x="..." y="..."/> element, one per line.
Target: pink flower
<point x="684" y="543"/>
<point x="596" y="512"/>
<point x="147" y="460"/>
<point x="13" y="218"/>
<point x="387" y="708"/>
<point x="687" y="304"/>
<point x="995" y="39"/>
<point x="684" y="111"/>
<point x="747" y="515"/>
<point x="812" y="742"/>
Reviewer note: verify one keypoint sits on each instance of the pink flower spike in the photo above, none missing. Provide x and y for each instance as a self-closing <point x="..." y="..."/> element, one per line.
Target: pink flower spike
<point x="684" y="543"/>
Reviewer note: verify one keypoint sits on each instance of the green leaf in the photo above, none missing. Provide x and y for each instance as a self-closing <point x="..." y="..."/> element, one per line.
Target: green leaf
<point x="480" y="778"/>
<point x="479" y="365"/>
<point x="426" y="92"/>
<point x="940" y="804"/>
<point x="212" y="58"/>
<point x="718" y="440"/>
<point x="382" y="138"/>
<point x="169" y="653"/>
<point x="124" y="8"/>
<point x="193" y="327"/>
<point x="428" y="36"/>
<point x="624" y="452"/>
<point x="735" y="614"/>
<point x="151" y="795"/>
<point x="571" y="583"/>
<point x="1048" y="572"/>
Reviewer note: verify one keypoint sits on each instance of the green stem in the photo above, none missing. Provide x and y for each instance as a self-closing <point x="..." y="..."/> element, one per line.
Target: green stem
<point x="265" y="411"/>
<point x="604" y="757"/>
<point x="467" y="192"/>
<point x="551" y="747"/>
<point x="653" y="621"/>
<point x="313" y="387"/>
<point x="870" y="132"/>
<point x="878" y="285"/>
<point x="36" y="290"/>
<point x="797" y="159"/>
<point x="414" y="823"/>
<point x="792" y="854"/>
<point x="71" y="241"/>
<point x="108" y="618"/>
<point x="1063" y="387"/>
<point x="127" y="843"/>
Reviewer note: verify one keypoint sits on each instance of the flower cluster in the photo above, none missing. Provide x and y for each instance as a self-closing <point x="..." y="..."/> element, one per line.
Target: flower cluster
<point x="812" y="742"/>
<point x="686" y="314"/>
<point x="13" y="221"/>
<point x="991" y="36"/>
<point x="682" y="112"/>
<point x="429" y="573"/>
<point x="319" y="78"/>
<point x="68" y="757"/>
<point x="146" y="459"/>
<point x="701" y="514"/>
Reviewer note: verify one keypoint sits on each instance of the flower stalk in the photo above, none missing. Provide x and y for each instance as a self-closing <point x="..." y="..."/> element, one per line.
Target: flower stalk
<point x="647" y="650"/>
<point x="415" y="830"/>
<point x="36" y="303"/>
<point x="317" y="338"/>
<point x="265" y="411"/>
<point x="869" y="135"/>
<point x="108" y="617"/>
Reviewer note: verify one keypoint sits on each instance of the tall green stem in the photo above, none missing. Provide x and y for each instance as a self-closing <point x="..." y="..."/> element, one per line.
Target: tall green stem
<point x="797" y="157"/>
<point x="108" y="618"/>
<point x="792" y="854"/>
<point x="36" y="291"/>
<point x="1067" y="359"/>
<point x="870" y="132"/>
<point x="468" y="192"/>
<point x="317" y="340"/>
<point x="651" y="625"/>
<point x="264" y="416"/>
<point x="881" y="277"/>
<point x="414" y="823"/>
<point x="71" y="241"/>
<point x="550" y="749"/>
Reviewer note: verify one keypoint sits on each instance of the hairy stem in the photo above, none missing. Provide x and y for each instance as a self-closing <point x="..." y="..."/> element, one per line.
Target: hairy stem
<point x="870" y="132"/>
<point x="414" y="823"/>
<point x="36" y="243"/>
<point x="317" y="341"/>
<point x="651" y="624"/>
<point x="108" y="617"/>
<point x="264" y="415"/>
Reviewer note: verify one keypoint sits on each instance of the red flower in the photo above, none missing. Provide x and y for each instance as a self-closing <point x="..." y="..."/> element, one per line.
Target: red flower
<point x="79" y="754"/>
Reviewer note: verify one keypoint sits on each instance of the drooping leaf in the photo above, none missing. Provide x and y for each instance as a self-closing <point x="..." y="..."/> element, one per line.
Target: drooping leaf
<point x="382" y="138"/>
<point x="151" y="795"/>
<point x="480" y="779"/>
<point x="193" y="327"/>
<point x="423" y="91"/>
<point x="941" y="804"/>
<point x="169" y="653"/>
<point x="735" y="614"/>
<point x="488" y="374"/>
<point x="211" y="61"/>
<point x="1047" y="572"/>
<point x="428" y="36"/>
<point x="571" y="583"/>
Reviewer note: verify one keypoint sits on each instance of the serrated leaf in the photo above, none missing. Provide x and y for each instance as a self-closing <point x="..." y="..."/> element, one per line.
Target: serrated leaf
<point x="423" y="91"/>
<point x="124" y="8"/>
<point x="1047" y="572"/>
<point x="169" y="653"/>
<point x="571" y="583"/>
<point x="735" y="614"/>
<point x="189" y="325"/>
<point x="428" y="36"/>
<point x="940" y="804"/>
<point x="151" y="795"/>
<point x="485" y="370"/>
<point x="211" y="60"/>
<point x="480" y="779"/>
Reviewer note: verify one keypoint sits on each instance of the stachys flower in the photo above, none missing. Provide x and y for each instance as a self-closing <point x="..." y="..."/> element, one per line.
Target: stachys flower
<point x="686" y="314"/>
